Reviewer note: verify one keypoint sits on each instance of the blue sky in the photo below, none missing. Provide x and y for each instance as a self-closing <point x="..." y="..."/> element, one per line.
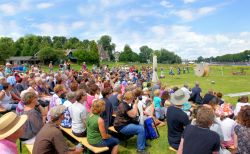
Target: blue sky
<point x="191" y="28"/>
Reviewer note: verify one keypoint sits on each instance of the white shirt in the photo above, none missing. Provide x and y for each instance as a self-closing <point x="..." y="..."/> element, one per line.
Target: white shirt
<point x="227" y="128"/>
<point x="78" y="114"/>
<point x="67" y="103"/>
<point x="141" y="105"/>
<point x="238" y="107"/>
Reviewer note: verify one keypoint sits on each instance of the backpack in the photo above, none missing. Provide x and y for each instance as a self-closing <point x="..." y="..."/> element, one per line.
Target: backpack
<point x="150" y="129"/>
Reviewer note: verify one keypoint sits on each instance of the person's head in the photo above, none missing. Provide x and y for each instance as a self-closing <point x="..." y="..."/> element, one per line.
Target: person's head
<point x="165" y="95"/>
<point x="219" y="95"/>
<point x="81" y="95"/>
<point x="32" y="83"/>
<point x="179" y="97"/>
<point x="57" y="113"/>
<point x="205" y="117"/>
<point x="213" y="102"/>
<point x="106" y="92"/>
<point x="29" y="98"/>
<point x="197" y="84"/>
<point x="74" y="86"/>
<point x="244" y="99"/>
<point x="129" y="97"/>
<point x="59" y="89"/>
<point x="157" y="92"/>
<point x="6" y="86"/>
<point x="71" y="96"/>
<point x="93" y="89"/>
<point x="243" y="117"/>
<point x="11" y="126"/>
<point x="117" y="89"/>
<point x="98" y="106"/>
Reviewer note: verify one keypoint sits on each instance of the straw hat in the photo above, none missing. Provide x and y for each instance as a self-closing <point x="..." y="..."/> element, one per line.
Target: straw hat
<point x="179" y="97"/>
<point x="10" y="123"/>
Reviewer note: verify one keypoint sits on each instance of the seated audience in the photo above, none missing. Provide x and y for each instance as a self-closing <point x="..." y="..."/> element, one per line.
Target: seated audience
<point x="242" y="131"/>
<point x="67" y="121"/>
<point x="106" y="115"/>
<point x="5" y="97"/>
<point x="198" y="139"/>
<point x="11" y="128"/>
<point x="96" y="134"/>
<point x="243" y="101"/>
<point x="124" y="123"/>
<point x="35" y="119"/>
<point x="78" y="114"/>
<point x="227" y="125"/>
<point x="50" y="138"/>
<point x="177" y="119"/>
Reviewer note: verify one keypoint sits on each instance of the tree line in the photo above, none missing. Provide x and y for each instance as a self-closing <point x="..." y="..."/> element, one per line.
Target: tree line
<point x="237" y="57"/>
<point x="53" y="49"/>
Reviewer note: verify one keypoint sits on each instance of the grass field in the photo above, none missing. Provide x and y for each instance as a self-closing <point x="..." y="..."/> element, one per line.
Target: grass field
<point x="225" y="82"/>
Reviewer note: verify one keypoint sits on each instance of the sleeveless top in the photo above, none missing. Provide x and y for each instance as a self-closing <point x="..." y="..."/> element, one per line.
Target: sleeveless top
<point x="5" y="102"/>
<point x="93" y="132"/>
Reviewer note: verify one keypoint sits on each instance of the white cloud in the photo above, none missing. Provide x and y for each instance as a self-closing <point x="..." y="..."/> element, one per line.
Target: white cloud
<point x="77" y="24"/>
<point x="192" y="14"/>
<point x="8" y="9"/>
<point x="44" y="5"/>
<point x="10" y="29"/>
<point x="166" y="4"/>
<point x="189" y="1"/>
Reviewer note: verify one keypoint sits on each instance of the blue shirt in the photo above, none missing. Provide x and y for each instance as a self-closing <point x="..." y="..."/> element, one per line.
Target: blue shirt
<point x="157" y="102"/>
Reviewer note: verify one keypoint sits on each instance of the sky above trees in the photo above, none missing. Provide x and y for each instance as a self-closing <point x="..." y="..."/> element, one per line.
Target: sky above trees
<point x="190" y="28"/>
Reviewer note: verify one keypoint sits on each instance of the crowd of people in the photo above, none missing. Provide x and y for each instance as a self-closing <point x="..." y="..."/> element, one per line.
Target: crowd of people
<point x="89" y="101"/>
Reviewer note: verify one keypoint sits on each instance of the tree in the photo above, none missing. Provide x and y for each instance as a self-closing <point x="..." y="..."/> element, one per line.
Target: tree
<point x="59" y="42"/>
<point x="165" y="56"/>
<point x="128" y="55"/>
<point x="88" y="53"/>
<point x="48" y="54"/>
<point x="200" y="59"/>
<point x="145" y="54"/>
<point x="7" y="48"/>
<point x="72" y="43"/>
<point x="106" y="42"/>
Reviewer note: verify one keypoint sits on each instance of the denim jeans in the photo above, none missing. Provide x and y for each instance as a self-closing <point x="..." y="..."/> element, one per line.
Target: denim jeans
<point x="110" y="142"/>
<point x="133" y="129"/>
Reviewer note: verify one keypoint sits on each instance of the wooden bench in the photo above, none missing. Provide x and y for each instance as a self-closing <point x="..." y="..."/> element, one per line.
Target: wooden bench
<point x="172" y="149"/>
<point x="29" y="147"/>
<point x="84" y="141"/>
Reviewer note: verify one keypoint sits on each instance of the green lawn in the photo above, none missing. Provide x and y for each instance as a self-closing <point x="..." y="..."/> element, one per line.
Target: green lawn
<point x="225" y="82"/>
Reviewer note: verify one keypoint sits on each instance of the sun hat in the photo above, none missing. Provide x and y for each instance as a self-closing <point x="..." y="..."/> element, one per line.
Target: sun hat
<point x="179" y="97"/>
<point x="10" y="123"/>
<point x="56" y="111"/>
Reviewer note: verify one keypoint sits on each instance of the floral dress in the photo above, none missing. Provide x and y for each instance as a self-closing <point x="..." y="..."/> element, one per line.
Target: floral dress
<point x="243" y="135"/>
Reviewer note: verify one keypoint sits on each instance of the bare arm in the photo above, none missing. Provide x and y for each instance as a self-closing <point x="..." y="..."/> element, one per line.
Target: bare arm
<point x="235" y="140"/>
<point x="2" y="93"/>
<point x="180" y="149"/>
<point x="133" y="113"/>
<point x="102" y="129"/>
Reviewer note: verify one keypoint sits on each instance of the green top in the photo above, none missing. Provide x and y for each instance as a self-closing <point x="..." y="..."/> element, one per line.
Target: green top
<point x="93" y="132"/>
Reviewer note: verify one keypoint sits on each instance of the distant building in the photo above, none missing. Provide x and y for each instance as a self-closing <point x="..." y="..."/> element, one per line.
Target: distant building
<point x="69" y="54"/>
<point x="23" y="59"/>
<point x="103" y="54"/>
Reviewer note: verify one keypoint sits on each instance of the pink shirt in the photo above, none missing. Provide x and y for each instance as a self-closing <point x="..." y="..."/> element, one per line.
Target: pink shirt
<point x="8" y="147"/>
<point x="89" y="101"/>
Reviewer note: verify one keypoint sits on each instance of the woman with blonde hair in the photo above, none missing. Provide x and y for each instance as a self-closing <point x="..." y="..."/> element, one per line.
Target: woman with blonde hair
<point x="96" y="134"/>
